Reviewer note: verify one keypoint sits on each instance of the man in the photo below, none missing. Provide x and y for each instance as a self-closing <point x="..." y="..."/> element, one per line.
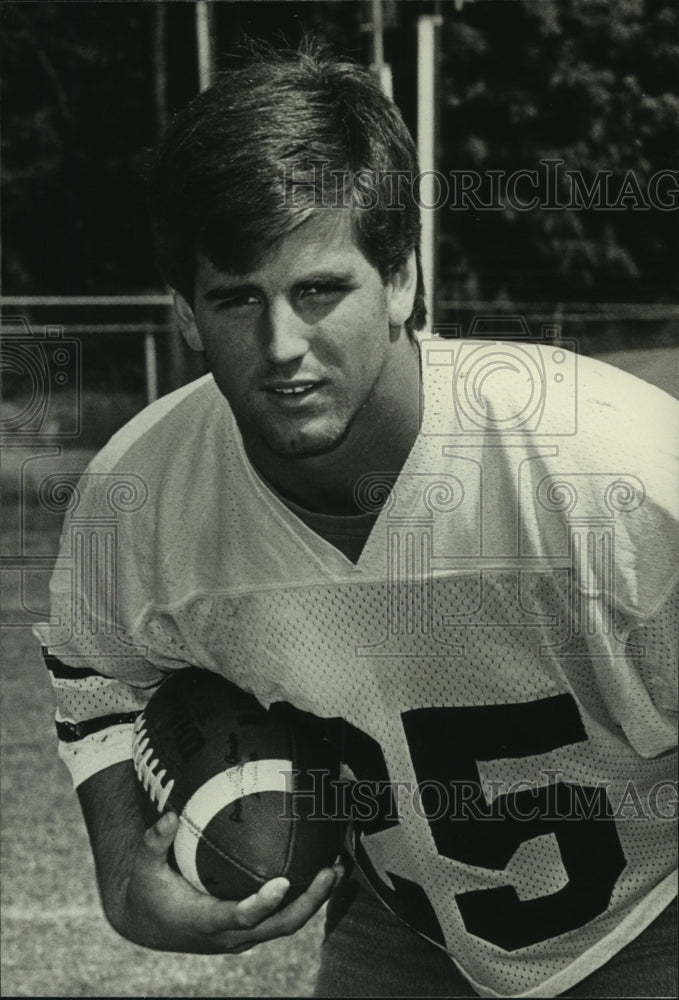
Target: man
<point x="457" y="558"/>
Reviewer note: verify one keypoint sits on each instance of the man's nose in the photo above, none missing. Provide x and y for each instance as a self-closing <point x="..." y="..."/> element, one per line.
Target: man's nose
<point x="287" y="333"/>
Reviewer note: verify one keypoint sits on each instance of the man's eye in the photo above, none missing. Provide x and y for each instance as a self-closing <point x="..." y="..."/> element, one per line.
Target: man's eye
<point x="238" y="301"/>
<point x="322" y="289"/>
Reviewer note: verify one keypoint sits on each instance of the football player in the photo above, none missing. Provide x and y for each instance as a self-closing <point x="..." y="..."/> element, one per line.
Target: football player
<point x="460" y="558"/>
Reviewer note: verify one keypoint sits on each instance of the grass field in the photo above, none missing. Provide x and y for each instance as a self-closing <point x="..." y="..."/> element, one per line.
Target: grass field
<point x="55" y="941"/>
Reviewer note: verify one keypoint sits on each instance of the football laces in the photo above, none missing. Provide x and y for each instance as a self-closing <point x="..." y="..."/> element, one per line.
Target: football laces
<point x="146" y="766"/>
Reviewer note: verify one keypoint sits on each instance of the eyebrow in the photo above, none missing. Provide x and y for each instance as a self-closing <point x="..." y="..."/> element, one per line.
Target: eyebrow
<point x="224" y="291"/>
<point x="227" y="291"/>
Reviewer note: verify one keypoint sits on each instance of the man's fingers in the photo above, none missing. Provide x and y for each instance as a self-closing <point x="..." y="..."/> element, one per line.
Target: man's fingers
<point x="304" y="907"/>
<point x="158" y="837"/>
<point x="262" y="904"/>
<point x="261" y="913"/>
<point x="223" y="925"/>
<point x="295" y="915"/>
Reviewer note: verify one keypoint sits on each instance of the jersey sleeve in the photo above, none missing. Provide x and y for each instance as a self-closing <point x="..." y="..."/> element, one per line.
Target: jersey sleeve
<point x="101" y="664"/>
<point x="95" y="716"/>
<point x="653" y="654"/>
<point x="126" y="560"/>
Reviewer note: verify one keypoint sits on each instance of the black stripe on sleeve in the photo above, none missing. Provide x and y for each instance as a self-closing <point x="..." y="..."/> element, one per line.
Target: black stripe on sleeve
<point x="63" y="671"/>
<point x="71" y="732"/>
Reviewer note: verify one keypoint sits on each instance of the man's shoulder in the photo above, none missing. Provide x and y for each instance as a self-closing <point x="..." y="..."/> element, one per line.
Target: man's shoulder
<point x="163" y="429"/>
<point x="512" y="391"/>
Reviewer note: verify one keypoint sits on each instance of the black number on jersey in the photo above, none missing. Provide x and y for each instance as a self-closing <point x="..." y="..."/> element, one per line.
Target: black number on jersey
<point x="446" y="744"/>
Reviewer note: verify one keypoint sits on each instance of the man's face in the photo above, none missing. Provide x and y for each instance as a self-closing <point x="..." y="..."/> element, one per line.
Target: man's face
<point x="299" y="346"/>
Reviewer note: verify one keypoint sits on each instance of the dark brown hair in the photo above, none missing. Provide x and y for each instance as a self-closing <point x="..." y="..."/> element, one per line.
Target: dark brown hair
<point x="232" y="175"/>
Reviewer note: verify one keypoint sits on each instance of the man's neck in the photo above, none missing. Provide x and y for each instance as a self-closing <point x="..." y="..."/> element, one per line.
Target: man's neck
<point x="379" y="440"/>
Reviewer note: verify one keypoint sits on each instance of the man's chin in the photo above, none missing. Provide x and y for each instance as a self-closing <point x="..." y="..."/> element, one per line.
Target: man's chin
<point x="308" y="445"/>
<point x="298" y="450"/>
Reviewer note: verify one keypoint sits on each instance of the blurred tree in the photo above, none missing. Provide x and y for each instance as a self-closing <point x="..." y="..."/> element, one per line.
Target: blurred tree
<point x="80" y="102"/>
<point x="77" y="116"/>
<point x="586" y="82"/>
<point x="589" y="83"/>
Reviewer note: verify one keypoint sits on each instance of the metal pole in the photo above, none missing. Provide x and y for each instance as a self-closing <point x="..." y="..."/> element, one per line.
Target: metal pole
<point x="381" y="69"/>
<point x="378" y="38"/>
<point x="160" y="68"/>
<point x="205" y="40"/>
<point x="175" y="340"/>
<point x="427" y="25"/>
<point x="151" y="366"/>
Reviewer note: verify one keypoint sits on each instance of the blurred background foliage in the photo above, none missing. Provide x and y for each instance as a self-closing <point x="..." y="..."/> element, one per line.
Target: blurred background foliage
<point x="85" y="86"/>
<point x="592" y="84"/>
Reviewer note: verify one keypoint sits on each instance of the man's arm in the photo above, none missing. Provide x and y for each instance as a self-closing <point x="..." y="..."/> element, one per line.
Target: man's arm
<point x="150" y="904"/>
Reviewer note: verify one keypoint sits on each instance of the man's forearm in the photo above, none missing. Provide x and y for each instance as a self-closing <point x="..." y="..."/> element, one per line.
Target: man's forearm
<point x="115" y="826"/>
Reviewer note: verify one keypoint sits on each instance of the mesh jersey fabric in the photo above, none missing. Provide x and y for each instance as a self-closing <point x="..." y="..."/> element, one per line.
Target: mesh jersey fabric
<point x="506" y="642"/>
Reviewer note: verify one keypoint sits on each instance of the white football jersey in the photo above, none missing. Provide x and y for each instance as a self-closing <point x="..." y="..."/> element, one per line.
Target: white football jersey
<point x="501" y="659"/>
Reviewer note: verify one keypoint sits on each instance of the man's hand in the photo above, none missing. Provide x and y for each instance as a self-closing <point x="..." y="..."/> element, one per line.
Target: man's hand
<point x="147" y="902"/>
<point x="161" y="910"/>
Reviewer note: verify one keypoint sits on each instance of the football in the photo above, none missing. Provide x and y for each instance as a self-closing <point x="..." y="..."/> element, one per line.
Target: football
<point x="253" y="791"/>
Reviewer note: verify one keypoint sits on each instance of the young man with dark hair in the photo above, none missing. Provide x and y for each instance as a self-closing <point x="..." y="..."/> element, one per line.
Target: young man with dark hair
<point x="275" y="141"/>
<point x="457" y="558"/>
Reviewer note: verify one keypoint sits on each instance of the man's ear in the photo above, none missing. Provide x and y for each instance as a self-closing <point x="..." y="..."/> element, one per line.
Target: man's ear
<point x="402" y="286"/>
<point x="186" y="321"/>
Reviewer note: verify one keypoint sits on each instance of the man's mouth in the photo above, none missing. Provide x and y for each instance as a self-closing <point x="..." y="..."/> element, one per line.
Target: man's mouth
<point x="294" y="390"/>
<point x="291" y="388"/>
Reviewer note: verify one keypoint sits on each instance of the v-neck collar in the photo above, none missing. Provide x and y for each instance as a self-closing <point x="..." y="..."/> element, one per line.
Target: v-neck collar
<point x="323" y="552"/>
<point x="292" y="517"/>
